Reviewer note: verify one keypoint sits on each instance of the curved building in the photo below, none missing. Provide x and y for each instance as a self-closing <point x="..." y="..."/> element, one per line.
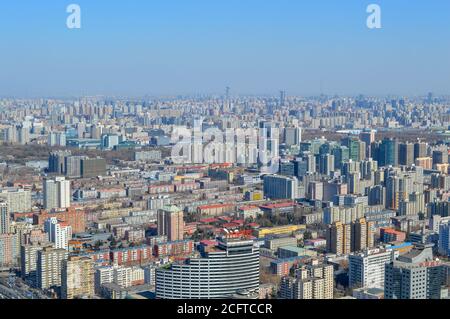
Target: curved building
<point x="220" y="272"/>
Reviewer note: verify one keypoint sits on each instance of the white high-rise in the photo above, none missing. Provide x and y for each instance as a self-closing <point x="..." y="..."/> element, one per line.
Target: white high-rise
<point x="56" y="193"/>
<point x="19" y="200"/>
<point x="366" y="270"/>
<point x="58" y="233"/>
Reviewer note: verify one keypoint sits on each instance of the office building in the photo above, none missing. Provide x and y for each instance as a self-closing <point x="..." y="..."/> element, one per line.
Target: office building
<point x="326" y="164"/>
<point x="221" y="270"/>
<point x="368" y="137"/>
<point x="93" y="167"/>
<point x="57" y="162"/>
<point x="366" y="270"/>
<point x="73" y="166"/>
<point x="444" y="238"/>
<point x="415" y="275"/>
<point x="109" y="141"/>
<point x="440" y="157"/>
<point x="357" y="148"/>
<point x="388" y="153"/>
<point x="420" y="150"/>
<point x="280" y="187"/>
<point x="406" y="154"/>
<point x="292" y="136"/>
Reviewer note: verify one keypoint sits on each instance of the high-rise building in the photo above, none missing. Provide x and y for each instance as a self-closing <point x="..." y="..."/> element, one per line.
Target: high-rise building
<point x="368" y="137"/>
<point x="312" y="281"/>
<point x="57" y="162"/>
<point x="292" y="136"/>
<point x="18" y="200"/>
<point x="444" y="238"/>
<point x="58" y="232"/>
<point x="440" y="157"/>
<point x="57" y="139"/>
<point x="28" y="261"/>
<point x="393" y="192"/>
<point x="415" y="275"/>
<point x="339" y="238"/>
<point x="121" y="276"/>
<point x="221" y="270"/>
<point x="420" y="150"/>
<point x="49" y="267"/>
<point x="406" y="154"/>
<point x="362" y="234"/>
<point x="171" y="223"/>
<point x="57" y="193"/>
<point x="388" y="153"/>
<point x="77" y="278"/>
<point x="366" y="270"/>
<point x="109" y="141"/>
<point x="5" y="218"/>
<point x="326" y="164"/>
<point x="341" y="154"/>
<point x="93" y="167"/>
<point x="318" y="270"/>
<point x="73" y="166"/>
<point x="280" y="187"/>
<point x="377" y="195"/>
<point x="282" y="98"/>
<point x="359" y="235"/>
<point x="368" y="169"/>
<point x="356" y="148"/>
<point x="9" y="250"/>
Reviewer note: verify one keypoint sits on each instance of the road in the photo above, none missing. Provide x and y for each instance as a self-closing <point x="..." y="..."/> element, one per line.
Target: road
<point x="12" y="287"/>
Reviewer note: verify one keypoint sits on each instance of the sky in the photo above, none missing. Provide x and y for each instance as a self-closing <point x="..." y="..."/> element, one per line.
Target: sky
<point x="161" y="47"/>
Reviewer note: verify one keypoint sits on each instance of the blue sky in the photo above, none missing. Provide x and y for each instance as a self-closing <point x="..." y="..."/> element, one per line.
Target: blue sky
<point x="139" y="47"/>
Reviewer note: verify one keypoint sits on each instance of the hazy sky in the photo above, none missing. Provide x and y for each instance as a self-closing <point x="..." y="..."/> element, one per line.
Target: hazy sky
<point x="139" y="47"/>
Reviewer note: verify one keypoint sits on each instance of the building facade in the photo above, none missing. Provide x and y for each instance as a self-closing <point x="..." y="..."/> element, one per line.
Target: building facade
<point x="219" y="272"/>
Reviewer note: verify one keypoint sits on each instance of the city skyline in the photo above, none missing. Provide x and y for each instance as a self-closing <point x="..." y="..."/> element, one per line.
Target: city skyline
<point x="176" y="48"/>
<point x="263" y="151"/>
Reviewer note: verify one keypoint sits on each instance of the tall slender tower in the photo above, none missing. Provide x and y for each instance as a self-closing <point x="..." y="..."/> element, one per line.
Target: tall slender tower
<point x="282" y="98"/>
<point x="4" y="218"/>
